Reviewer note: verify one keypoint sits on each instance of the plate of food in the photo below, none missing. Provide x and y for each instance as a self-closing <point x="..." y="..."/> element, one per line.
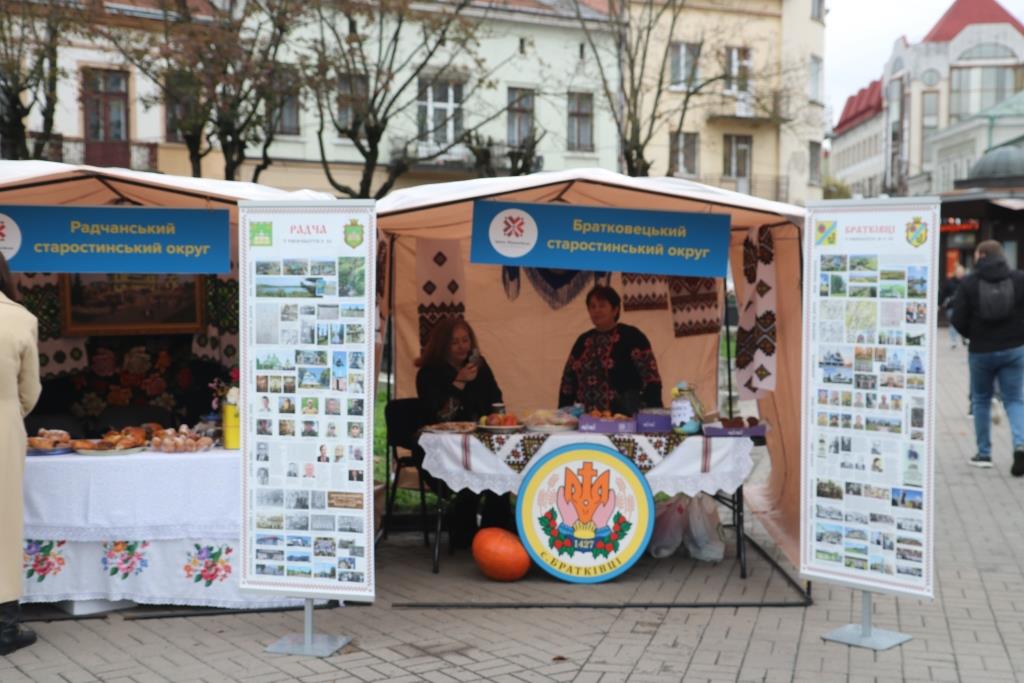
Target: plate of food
<point x="550" y="428"/>
<point x="551" y="421"/>
<point x="102" y="447"/>
<point x="49" y="442"/>
<point x="501" y="429"/>
<point x="56" y="450"/>
<point x="451" y="428"/>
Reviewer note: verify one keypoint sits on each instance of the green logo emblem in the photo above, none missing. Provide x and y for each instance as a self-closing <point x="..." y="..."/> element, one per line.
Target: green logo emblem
<point x="261" y="234"/>
<point x="354" y="233"/>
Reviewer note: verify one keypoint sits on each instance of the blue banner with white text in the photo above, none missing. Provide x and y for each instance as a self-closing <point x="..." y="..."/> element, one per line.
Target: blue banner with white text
<point x="108" y="239"/>
<point x="600" y="238"/>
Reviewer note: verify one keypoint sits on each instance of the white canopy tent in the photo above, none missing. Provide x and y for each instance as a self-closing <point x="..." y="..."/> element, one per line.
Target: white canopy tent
<point x="526" y="342"/>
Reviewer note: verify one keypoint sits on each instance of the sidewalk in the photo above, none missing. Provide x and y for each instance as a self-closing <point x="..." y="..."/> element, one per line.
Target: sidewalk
<point x="973" y="631"/>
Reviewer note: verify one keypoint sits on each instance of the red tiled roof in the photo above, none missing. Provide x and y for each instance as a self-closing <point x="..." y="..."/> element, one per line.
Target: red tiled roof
<point x="963" y="13"/>
<point x="860" y="107"/>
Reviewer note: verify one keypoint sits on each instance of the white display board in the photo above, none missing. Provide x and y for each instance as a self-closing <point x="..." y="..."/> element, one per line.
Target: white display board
<point x="307" y="315"/>
<point x="868" y="408"/>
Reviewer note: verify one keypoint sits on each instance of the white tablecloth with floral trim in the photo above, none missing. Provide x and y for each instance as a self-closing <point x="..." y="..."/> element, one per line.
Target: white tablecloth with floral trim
<point x="695" y="465"/>
<point x="153" y="528"/>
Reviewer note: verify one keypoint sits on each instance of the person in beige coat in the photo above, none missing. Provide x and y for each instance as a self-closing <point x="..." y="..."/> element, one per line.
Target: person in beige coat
<point x="19" y="391"/>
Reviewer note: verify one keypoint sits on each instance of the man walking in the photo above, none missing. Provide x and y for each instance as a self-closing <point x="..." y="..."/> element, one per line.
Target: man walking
<point x="988" y="309"/>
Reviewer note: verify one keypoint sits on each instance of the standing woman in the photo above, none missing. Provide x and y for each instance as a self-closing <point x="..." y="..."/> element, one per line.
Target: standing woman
<point x="19" y="391"/>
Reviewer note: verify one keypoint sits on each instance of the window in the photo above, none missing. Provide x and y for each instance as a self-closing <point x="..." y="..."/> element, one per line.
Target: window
<point x="173" y="113"/>
<point x="105" y="109"/>
<point x="814" y="150"/>
<point x="814" y="72"/>
<point x="685" y="58"/>
<point x="288" y="115"/>
<point x="440" y="110"/>
<point x="987" y="51"/>
<point x="929" y="113"/>
<point x="736" y="161"/>
<point x="818" y="10"/>
<point x="737" y="69"/>
<point x="683" y="153"/>
<point x="581" y="122"/>
<point x="974" y="89"/>
<point x="520" y="116"/>
<point x="353" y="92"/>
<point x="106" y="105"/>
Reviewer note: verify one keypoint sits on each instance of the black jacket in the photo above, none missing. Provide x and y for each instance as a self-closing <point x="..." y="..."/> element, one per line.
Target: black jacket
<point x="987" y="336"/>
<point x="444" y="402"/>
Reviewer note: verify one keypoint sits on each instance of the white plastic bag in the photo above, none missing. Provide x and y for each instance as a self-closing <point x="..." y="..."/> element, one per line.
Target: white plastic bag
<point x="702" y="538"/>
<point x="669" y="527"/>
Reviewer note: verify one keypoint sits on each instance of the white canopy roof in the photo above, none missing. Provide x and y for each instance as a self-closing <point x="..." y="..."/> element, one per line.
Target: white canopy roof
<point x="427" y="207"/>
<point x="52" y="183"/>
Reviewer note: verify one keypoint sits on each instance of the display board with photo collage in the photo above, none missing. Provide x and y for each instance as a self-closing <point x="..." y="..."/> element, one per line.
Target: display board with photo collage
<point x="870" y="305"/>
<point x="307" y="397"/>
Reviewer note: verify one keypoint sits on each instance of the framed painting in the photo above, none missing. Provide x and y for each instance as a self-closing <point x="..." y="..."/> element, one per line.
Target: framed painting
<point x="124" y="304"/>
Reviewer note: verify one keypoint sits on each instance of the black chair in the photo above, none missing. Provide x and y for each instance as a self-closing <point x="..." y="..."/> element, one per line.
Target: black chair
<point x="404" y="418"/>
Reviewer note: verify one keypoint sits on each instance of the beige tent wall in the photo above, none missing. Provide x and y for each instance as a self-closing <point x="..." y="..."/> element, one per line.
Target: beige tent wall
<point x="777" y="501"/>
<point x="526" y="342"/>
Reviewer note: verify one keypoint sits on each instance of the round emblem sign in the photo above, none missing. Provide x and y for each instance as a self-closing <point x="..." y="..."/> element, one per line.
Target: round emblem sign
<point x="10" y="237"/>
<point x="585" y="513"/>
<point x="513" y="233"/>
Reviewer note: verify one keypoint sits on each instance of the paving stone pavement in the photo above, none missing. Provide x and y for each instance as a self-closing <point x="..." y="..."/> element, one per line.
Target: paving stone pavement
<point x="972" y="631"/>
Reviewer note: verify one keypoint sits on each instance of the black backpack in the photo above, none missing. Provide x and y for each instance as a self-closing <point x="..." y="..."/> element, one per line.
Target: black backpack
<point x="995" y="299"/>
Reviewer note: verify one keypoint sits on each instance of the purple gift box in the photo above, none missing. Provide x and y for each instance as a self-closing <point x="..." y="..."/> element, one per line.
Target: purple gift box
<point x="603" y="425"/>
<point x="652" y="421"/>
<point x="718" y="430"/>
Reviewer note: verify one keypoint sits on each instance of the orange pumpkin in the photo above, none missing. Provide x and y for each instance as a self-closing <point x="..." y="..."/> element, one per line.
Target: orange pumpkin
<point x="499" y="554"/>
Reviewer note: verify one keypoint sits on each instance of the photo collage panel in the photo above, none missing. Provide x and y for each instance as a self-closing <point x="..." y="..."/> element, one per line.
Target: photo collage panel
<point x="869" y="413"/>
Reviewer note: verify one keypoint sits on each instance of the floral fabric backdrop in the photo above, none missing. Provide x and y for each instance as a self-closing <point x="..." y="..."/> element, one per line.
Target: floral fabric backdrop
<point x="86" y="377"/>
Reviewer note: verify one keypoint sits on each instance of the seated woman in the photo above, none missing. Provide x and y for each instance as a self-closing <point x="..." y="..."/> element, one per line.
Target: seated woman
<point x="454" y="383"/>
<point x="611" y="367"/>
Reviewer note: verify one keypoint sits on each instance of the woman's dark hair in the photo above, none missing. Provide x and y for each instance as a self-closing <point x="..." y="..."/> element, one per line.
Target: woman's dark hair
<point x="607" y="294"/>
<point x="435" y="351"/>
<point x="6" y="279"/>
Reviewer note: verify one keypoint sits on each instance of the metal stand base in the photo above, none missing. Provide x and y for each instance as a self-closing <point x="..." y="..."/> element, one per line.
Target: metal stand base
<point x="863" y="635"/>
<point x="308" y="643"/>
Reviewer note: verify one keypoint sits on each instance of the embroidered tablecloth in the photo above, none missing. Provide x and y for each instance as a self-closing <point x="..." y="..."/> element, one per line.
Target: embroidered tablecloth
<point x="153" y="528"/>
<point x="672" y="464"/>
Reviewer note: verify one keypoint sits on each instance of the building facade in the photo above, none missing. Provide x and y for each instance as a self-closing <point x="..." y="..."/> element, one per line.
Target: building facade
<point x="759" y="129"/>
<point x="857" y="156"/>
<point x="970" y="61"/>
<point x="110" y="114"/>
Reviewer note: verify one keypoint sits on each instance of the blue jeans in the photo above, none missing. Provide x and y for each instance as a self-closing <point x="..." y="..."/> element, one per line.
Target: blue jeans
<point x="1008" y="367"/>
<point x="953" y="335"/>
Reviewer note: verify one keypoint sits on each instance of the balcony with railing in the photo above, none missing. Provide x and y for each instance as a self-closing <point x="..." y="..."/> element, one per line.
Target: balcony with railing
<point x="774" y="187"/>
<point x="138" y="156"/>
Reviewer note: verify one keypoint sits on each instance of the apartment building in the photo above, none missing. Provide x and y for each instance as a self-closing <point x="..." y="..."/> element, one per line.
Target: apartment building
<point x="540" y="77"/>
<point x="759" y="128"/>
<point x="857" y="156"/>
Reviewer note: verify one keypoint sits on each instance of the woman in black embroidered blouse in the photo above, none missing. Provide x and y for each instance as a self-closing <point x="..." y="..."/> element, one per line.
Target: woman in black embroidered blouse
<point x="455" y="384"/>
<point x="611" y="367"/>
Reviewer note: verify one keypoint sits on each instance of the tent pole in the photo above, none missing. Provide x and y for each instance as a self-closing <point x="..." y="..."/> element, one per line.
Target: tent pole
<point x="389" y="334"/>
<point x="728" y="355"/>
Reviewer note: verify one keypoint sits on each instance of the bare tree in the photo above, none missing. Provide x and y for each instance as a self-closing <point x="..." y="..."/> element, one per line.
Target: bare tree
<point x="217" y="72"/>
<point x="490" y="157"/>
<point x="650" y="82"/>
<point x="374" y="68"/>
<point x="30" y="35"/>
